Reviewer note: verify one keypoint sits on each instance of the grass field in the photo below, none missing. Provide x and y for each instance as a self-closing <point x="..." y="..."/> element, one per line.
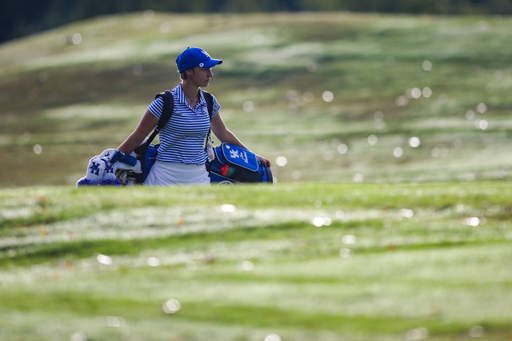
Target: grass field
<point x="389" y="137"/>
<point x="304" y="262"/>
<point x="343" y="97"/>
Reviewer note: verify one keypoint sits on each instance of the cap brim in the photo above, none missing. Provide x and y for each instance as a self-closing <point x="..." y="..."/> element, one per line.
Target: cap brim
<point x="212" y="62"/>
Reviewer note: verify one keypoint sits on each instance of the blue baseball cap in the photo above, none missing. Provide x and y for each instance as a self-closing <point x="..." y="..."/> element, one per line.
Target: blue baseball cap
<point x="194" y="56"/>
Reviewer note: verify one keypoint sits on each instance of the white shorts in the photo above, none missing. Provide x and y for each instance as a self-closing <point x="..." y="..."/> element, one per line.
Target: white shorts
<point x="172" y="174"/>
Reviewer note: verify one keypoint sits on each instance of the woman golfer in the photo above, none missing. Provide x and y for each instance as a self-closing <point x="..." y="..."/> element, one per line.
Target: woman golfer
<point x="181" y="155"/>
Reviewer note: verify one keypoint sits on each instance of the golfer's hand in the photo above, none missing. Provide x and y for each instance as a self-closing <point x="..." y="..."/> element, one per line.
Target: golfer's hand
<point x="263" y="160"/>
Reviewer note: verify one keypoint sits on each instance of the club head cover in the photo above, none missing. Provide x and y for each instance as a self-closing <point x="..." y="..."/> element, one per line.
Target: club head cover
<point x="96" y="170"/>
<point x="107" y="154"/>
<point x="84" y="182"/>
<point x="110" y="169"/>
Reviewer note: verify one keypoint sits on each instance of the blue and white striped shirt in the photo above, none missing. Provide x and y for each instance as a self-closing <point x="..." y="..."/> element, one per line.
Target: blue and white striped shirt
<point x="182" y="138"/>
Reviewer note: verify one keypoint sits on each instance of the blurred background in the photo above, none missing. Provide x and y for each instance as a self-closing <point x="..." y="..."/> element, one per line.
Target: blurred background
<point x="388" y="125"/>
<point x="329" y="91"/>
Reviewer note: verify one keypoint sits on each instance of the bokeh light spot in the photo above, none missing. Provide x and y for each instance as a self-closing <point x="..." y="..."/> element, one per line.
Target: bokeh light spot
<point x="378" y="116"/>
<point x="427" y="92"/>
<point x="103" y="259"/>
<point x="476" y="332"/>
<point x="398" y="152"/>
<point x="372" y="140"/>
<point x="414" y="142"/>
<point x="148" y="14"/>
<point x="318" y="221"/>
<point x="153" y="261"/>
<point x="328" y="96"/>
<point x="227" y="208"/>
<point x="349" y="239"/>
<point x="38" y="149"/>
<point x="76" y="38"/>
<point x="342" y="148"/>
<point x="481" y="108"/>
<point x="328" y="155"/>
<point x="171" y="306"/>
<point x="407" y="213"/>
<point x="345" y="253"/>
<point x="482" y="124"/>
<point x="416" y="93"/>
<point x="473" y="221"/>
<point x="115" y="322"/>
<point x="248" y="106"/>
<point x="281" y="161"/>
<point x="308" y="96"/>
<point x="79" y="336"/>
<point x="247" y="265"/>
<point x="416" y="334"/>
<point x="272" y="337"/>
<point x="292" y="95"/>
<point x="401" y="101"/>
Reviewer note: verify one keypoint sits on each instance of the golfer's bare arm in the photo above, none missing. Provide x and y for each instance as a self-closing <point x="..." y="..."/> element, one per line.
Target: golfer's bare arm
<point x="225" y="135"/>
<point x="145" y="126"/>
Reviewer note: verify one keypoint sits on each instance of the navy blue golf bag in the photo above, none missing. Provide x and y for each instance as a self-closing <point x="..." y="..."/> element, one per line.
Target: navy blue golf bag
<point x="233" y="164"/>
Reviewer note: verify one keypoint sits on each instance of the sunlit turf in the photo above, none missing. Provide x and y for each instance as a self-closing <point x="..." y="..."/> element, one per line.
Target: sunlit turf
<point x="303" y="261"/>
<point x="77" y="99"/>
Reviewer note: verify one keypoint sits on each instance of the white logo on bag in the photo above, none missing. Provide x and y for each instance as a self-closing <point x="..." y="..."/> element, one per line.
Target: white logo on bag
<point x="235" y="155"/>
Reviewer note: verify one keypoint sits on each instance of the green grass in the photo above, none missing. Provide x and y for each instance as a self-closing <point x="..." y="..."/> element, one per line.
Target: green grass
<point x="264" y="268"/>
<point x="419" y="250"/>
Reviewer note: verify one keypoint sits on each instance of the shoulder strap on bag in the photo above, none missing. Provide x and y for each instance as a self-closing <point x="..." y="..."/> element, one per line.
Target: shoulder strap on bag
<point x="209" y="103"/>
<point x="166" y="113"/>
<point x="164" y="118"/>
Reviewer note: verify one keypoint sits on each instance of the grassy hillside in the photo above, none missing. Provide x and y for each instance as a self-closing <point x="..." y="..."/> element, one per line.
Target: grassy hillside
<point x="303" y="262"/>
<point x="338" y="95"/>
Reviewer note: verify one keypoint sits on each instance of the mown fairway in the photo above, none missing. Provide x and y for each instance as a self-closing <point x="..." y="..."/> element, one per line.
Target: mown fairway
<point x="305" y="262"/>
<point x="68" y="94"/>
<point x="417" y="107"/>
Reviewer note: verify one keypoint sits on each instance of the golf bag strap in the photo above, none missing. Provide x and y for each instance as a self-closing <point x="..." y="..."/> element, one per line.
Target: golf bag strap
<point x="209" y="103"/>
<point x="164" y="118"/>
<point x="166" y="113"/>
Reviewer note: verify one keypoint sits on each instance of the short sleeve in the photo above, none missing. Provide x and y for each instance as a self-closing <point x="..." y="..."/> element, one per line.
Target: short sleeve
<point x="216" y="106"/>
<point x="157" y="106"/>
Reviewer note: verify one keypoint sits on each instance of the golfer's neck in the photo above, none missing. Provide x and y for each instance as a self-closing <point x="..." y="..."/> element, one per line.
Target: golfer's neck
<point x="189" y="87"/>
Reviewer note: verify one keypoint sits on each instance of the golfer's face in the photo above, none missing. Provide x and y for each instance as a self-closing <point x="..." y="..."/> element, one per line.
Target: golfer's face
<point x="201" y="76"/>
